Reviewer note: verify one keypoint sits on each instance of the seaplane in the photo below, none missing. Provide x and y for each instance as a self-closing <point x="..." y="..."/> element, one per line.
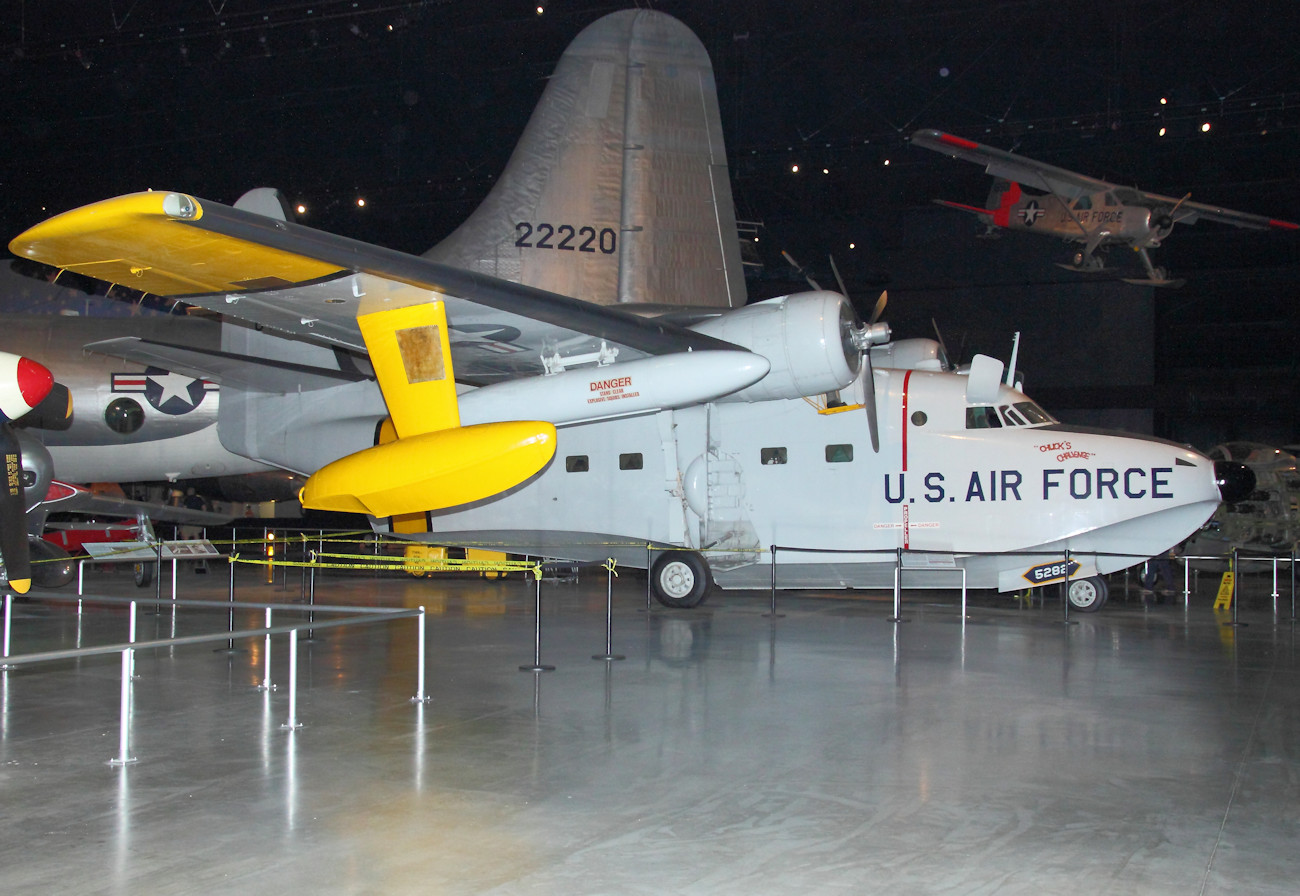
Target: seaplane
<point x="574" y="372"/>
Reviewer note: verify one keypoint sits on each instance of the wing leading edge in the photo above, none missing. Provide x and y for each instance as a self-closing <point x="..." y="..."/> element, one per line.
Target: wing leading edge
<point x="313" y="285"/>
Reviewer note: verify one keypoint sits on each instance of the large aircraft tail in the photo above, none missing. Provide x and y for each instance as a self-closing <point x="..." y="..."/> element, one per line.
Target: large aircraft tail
<point x="618" y="190"/>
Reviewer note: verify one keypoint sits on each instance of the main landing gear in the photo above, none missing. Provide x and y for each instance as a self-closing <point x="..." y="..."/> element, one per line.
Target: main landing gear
<point x="1087" y="595"/>
<point x="680" y="579"/>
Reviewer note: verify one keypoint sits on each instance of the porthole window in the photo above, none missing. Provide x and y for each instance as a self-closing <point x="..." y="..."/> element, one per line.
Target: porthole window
<point x="576" y="463"/>
<point x="124" y="416"/>
<point x="919" y="418"/>
<point x="839" y="454"/>
<point x="770" y="456"/>
<point x="630" y="461"/>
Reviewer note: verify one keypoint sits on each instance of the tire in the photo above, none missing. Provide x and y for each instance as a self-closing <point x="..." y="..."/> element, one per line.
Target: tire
<point x="1088" y="595"/>
<point x="680" y="579"/>
<point x="144" y="574"/>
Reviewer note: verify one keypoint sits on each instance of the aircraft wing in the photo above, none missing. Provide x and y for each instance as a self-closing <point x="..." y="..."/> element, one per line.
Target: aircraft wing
<point x="313" y="285"/>
<point x="1010" y="166"/>
<point x="1183" y="211"/>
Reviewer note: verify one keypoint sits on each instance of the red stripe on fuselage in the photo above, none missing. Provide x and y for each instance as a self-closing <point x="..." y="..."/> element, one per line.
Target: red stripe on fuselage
<point x="907" y="376"/>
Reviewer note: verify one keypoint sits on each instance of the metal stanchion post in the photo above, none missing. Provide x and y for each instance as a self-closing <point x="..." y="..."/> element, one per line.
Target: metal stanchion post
<point x="898" y="587"/>
<point x="293" y="682"/>
<point x="1293" y="586"/>
<point x="648" y="560"/>
<point x="230" y="610"/>
<point x="157" y="573"/>
<point x="1065" y="590"/>
<point x="537" y="635"/>
<point x="9" y="613"/>
<point x="1187" y="582"/>
<point x="266" y="649"/>
<point x="609" y="616"/>
<point x="124" y="756"/>
<point x="773" y="614"/>
<point x="1236" y="574"/>
<point x="419" y="673"/>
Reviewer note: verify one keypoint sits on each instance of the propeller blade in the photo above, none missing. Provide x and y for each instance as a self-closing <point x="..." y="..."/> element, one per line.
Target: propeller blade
<point x="13" y="514"/>
<point x="943" y="347"/>
<point x="800" y="270"/>
<point x="880" y="307"/>
<point x="838" y="279"/>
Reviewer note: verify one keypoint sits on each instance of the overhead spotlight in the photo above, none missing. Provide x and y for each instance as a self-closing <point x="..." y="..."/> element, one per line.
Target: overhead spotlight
<point x="301" y="209"/>
<point x="794" y="169"/>
<point x="853" y="245"/>
<point x="1163" y="131"/>
<point x="1205" y="128"/>
<point x="361" y="202"/>
<point x="826" y="171"/>
<point x="886" y="163"/>
<point x="1164" y="101"/>
<point x="540" y="10"/>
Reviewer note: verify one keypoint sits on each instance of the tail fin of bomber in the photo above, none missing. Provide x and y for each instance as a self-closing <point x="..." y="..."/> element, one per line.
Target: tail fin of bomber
<point x="618" y="190"/>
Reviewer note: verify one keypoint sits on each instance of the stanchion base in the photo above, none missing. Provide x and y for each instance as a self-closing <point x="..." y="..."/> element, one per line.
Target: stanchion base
<point x="608" y="656"/>
<point x="896" y="619"/>
<point x="261" y="688"/>
<point x="294" y="727"/>
<point x="420" y="700"/>
<point x="773" y="615"/>
<point x="536" y="668"/>
<point x="128" y="761"/>
<point x="228" y="650"/>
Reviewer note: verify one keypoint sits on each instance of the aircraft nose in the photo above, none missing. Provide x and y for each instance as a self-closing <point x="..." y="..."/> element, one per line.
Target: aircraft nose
<point x="1235" y="481"/>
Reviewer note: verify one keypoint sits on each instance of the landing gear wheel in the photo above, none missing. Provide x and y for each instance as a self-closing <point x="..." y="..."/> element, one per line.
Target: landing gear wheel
<point x="680" y="579"/>
<point x="1088" y="595"/>
<point x="144" y="574"/>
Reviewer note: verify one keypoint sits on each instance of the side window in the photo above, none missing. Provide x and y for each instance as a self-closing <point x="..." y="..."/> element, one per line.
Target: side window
<point x="772" y="456"/>
<point x="839" y="454"/>
<point x="630" y="461"/>
<point x="982" y="417"/>
<point x="576" y="463"/>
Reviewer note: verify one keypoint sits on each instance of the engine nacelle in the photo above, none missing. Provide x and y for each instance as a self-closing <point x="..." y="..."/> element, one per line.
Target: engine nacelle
<point x="806" y="337"/>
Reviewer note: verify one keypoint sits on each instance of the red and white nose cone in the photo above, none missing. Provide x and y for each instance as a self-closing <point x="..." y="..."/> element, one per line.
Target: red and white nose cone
<point x="23" y="384"/>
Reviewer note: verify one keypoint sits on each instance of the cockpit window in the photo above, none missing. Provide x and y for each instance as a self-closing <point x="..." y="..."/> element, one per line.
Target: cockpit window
<point x="982" y="418"/>
<point x="1011" y="417"/>
<point x="1033" y="413"/>
<point x="1083" y="203"/>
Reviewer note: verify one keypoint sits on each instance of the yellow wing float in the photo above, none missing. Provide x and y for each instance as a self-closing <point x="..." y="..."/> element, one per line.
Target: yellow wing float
<point x="150" y="241"/>
<point x="435" y="462"/>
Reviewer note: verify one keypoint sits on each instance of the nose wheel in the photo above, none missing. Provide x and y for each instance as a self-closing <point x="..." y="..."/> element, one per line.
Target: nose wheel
<point x="1087" y="595"/>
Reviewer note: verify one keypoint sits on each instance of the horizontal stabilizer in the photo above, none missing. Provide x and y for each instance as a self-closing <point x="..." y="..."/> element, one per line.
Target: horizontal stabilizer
<point x="225" y="368"/>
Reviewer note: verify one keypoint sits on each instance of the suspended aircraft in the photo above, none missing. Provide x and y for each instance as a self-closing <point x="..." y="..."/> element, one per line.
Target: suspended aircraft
<point x="545" y="381"/>
<point x="1039" y="198"/>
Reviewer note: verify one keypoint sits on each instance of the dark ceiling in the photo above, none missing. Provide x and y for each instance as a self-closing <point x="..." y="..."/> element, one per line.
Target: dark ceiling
<point x="416" y="106"/>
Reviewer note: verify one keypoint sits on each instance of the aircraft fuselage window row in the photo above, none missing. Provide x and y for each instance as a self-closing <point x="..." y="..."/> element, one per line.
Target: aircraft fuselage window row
<point x="579" y="463"/>
<point x="835" y="454"/>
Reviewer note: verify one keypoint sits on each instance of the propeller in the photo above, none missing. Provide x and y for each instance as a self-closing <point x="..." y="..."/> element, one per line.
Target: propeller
<point x="1165" y="221"/>
<point x="23" y="385"/>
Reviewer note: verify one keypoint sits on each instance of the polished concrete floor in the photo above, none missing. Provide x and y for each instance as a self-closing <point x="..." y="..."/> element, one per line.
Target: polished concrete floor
<point x="1143" y="749"/>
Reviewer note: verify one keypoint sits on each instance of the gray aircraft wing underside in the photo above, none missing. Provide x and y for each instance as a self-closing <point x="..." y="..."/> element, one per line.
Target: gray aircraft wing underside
<point x="1010" y="166"/>
<point x="228" y="369"/>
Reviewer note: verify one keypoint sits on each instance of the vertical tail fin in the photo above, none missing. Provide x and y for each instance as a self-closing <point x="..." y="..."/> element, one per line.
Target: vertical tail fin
<point x="618" y="190"/>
